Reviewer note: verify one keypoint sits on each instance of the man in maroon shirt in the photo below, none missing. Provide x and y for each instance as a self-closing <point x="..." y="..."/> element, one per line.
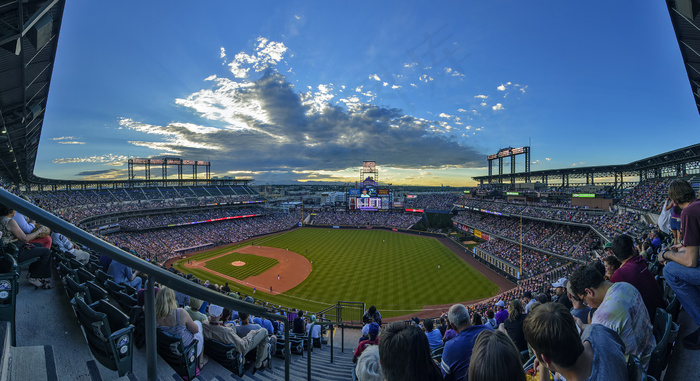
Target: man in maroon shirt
<point x="681" y="271"/>
<point x="634" y="271"/>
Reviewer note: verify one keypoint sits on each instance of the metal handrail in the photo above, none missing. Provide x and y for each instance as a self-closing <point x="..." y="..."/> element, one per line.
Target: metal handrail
<point x="154" y="273"/>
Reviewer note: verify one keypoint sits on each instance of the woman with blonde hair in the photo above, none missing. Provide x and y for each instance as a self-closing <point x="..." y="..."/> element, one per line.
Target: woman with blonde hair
<point x="176" y="321"/>
<point x="495" y="357"/>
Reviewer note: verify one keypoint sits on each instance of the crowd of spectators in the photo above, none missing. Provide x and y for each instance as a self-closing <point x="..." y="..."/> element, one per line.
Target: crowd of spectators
<point x="163" y="244"/>
<point x="163" y="220"/>
<point x="432" y="201"/>
<point x="648" y="195"/>
<point x="75" y="206"/>
<point x="533" y="263"/>
<point x="399" y="220"/>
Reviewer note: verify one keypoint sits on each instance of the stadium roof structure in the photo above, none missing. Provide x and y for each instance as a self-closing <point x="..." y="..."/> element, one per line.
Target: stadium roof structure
<point x="679" y="162"/>
<point x="685" y="17"/>
<point x="28" y="40"/>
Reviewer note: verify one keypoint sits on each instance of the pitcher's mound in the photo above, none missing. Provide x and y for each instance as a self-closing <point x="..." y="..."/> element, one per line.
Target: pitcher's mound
<point x="238" y="263"/>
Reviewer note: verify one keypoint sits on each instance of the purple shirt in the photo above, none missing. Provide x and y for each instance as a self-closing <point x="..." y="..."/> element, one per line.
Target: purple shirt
<point x="690" y="222"/>
<point x="636" y="273"/>
<point x="501" y="316"/>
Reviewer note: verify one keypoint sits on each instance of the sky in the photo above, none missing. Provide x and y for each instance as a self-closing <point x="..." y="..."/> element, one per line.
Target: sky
<point x="303" y="92"/>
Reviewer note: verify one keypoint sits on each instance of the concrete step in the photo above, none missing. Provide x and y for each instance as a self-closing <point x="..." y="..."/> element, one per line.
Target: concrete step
<point x="35" y="363"/>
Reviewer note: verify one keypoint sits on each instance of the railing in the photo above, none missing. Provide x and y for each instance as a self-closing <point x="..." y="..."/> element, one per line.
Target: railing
<point x="154" y="274"/>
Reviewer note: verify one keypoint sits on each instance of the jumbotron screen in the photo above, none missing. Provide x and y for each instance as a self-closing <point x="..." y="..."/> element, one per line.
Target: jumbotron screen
<point x="368" y="203"/>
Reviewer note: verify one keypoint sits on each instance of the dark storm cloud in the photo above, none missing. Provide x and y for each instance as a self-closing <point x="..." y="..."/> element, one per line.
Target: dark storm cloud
<point x="272" y="127"/>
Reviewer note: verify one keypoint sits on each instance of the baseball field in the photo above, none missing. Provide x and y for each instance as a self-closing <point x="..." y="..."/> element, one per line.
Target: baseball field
<point x="312" y="268"/>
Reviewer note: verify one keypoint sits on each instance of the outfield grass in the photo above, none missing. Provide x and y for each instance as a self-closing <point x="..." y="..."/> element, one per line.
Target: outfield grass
<point x="254" y="265"/>
<point x="396" y="272"/>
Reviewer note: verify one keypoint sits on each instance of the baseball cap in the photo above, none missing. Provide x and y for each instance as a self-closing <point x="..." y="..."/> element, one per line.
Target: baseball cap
<point x="373" y="329"/>
<point x="215" y="310"/>
<point x="560" y="283"/>
<point x="608" y="245"/>
<point x="501" y="303"/>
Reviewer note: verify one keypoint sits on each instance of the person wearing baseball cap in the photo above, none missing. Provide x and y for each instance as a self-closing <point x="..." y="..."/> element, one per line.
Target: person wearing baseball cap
<point x="501" y="312"/>
<point x="226" y="334"/>
<point x="560" y="293"/>
<point x="373" y="333"/>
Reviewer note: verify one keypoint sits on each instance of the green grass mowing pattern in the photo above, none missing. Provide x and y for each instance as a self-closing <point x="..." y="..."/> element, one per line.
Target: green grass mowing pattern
<point x="254" y="265"/>
<point x="396" y="272"/>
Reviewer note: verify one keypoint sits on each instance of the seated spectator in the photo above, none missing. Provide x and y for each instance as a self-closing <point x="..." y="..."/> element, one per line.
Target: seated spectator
<point x="495" y="357"/>
<point x="501" y="312"/>
<point x="227" y="334"/>
<point x="620" y="307"/>
<point x="368" y="367"/>
<point x="598" y="354"/>
<point x="433" y="335"/>
<point x="193" y="310"/>
<point x="65" y="245"/>
<point x="404" y="354"/>
<point x="372" y="315"/>
<point x="579" y="309"/>
<point x="513" y="326"/>
<point x="611" y="264"/>
<point x="560" y="294"/>
<point x="490" y="319"/>
<point x="176" y="321"/>
<point x="123" y="274"/>
<point x="634" y="271"/>
<point x="457" y="353"/>
<point x="39" y="271"/>
<point x="373" y="339"/>
<point x="528" y="301"/>
<point x="29" y="226"/>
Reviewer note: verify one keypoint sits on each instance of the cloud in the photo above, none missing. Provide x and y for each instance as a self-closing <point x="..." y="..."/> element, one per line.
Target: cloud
<point x="498" y="107"/>
<point x="425" y="78"/>
<point x="548" y="158"/>
<point x="578" y="164"/>
<point x="267" y="126"/>
<point x="223" y="53"/>
<point x="412" y="64"/>
<point x="481" y="96"/>
<point x="109" y="159"/>
<point x="297" y="17"/>
<point x="461" y="110"/>
<point x="67" y="140"/>
<point x="375" y="77"/>
<point x="453" y="72"/>
<point x="395" y="87"/>
<point x="501" y="88"/>
<point x="267" y="55"/>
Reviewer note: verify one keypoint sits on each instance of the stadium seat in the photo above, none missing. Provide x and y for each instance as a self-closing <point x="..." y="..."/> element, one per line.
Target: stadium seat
<point x="9" y="273"/>
<point x="90" y="292"/>
<point x="226" y="355"/>
<point x="66" y="272"/>
<point x="84" y="275"/>
<point x="108" y="333"/>
<point x="635" y="369"/>
<point x="182" y="359"/>
<point x="662" y="333"/>
<point x="126" y="302"/>
<point x="102" y="278"/>
<point x="436" y="353"/>
<point x="13" y="250"/>
<point x="112" y="288"/>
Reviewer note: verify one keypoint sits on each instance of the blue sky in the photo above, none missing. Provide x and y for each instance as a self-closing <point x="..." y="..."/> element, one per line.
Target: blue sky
<point x="305" y="91"/>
